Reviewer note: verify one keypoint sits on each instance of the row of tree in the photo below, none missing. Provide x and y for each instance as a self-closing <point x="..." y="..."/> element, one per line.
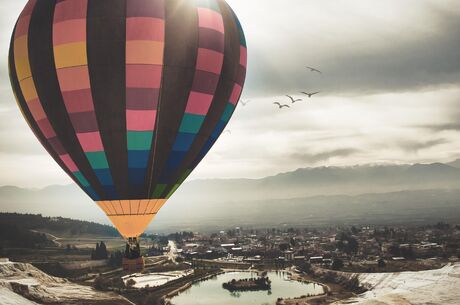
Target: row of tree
<point x="56" y="224"/>
<point x="100" y="252"/>
<point x="14" y="236"/>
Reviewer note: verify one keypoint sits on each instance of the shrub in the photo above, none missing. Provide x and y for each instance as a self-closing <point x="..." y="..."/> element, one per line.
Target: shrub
<point x="130" y="283"/>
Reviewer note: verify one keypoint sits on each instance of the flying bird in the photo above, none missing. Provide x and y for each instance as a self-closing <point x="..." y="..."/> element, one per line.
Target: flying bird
<point x="281" y="106"/>
<point x="244" y="103"/>
<point x="314" y="70"/>
<point x="293" y="100"/>
<point x="310" y="94"/>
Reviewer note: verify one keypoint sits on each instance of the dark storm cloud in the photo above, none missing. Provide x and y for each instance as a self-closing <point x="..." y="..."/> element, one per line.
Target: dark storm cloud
<point x="424" y="60"/>
<point x="324" y="156"/>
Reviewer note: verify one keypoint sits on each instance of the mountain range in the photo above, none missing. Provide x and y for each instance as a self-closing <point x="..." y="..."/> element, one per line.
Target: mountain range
<point x="306" y="196"/>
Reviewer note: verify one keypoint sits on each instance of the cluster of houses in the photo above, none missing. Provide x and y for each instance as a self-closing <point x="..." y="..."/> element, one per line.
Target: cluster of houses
<point x="321" y="246"/>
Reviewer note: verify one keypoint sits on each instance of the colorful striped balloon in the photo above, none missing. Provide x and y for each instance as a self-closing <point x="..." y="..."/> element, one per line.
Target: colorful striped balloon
<point x="128" y="96"/>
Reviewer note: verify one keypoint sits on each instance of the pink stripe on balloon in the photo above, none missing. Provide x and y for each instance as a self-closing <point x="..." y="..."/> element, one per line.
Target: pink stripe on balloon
<point x="145" y="28"/>
<point x="210" y="19"/>
<point x="46" y="128"/>
<point x="57" y="146"/>
<point x="36" y="109"/>
<point x="28" y="9"/>
<point x="141" y="120"/>
<point x="198" y="103"/>
<point x="78" y="101"/>
<point x="22" y="27"/>
<point x="210" y="61"/>
<point x="23" y="23"/>
<point x="69" y="31"/>
<point x="35" y="106"/>
<point x="90" y="141"/>
<point x="143" y="76"/>
<point x="243" y="56"/>
<point x="70" y="9"/>
<point x="74" y="78"/>
<point x="236" y="93"/>
<point x="69" y="163"/>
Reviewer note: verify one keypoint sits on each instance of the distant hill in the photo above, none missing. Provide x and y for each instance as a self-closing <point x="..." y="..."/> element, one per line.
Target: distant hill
<point x="55" y="224"/>
<point x="455" y="163"/>
<point x="57" y="200"/>
<point x="404" y="207"/>
<point x="15" y="236"/>
<point x="303" y="182"/>
<point x="227" y="202"/>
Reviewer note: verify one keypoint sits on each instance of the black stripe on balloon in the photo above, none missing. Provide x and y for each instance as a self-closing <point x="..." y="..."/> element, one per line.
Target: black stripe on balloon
<point x="41" y="57"/>
<point x="26" y="113"/>
<point x="221" y="97"/>
<point x="106" y="43"/>
<point x="180" y="55"/>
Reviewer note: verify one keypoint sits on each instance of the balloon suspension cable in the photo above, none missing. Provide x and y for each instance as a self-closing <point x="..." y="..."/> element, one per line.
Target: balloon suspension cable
<point x="133" y="250"/>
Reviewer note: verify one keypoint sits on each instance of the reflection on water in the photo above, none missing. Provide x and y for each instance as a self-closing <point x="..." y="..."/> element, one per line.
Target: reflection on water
<point x="210" y="292"/>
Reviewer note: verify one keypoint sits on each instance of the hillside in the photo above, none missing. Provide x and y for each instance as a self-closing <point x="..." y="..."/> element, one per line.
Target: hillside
<point x="57" y="200"/>
<point x="410" y="288"/>
<point x="23" y="284"/>
<point x="315" y="196"/>
<point x="60" y="225"/>
<point x="405" y="207"/>
<point x="303" y="182"/>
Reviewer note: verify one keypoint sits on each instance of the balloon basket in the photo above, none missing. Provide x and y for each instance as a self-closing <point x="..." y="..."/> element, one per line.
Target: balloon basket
<point x="133" y="265"/>
<point x="133" y="261"/>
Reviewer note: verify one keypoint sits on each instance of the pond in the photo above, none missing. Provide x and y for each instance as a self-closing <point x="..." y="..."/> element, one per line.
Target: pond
<point x="210" y="292"/>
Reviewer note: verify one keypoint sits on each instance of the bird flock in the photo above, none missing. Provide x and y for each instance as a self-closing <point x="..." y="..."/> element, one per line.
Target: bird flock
<point x="293" y="100"/>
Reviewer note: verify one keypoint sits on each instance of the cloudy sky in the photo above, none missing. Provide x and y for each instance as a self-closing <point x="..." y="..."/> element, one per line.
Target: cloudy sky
<point x="390" y="90"/>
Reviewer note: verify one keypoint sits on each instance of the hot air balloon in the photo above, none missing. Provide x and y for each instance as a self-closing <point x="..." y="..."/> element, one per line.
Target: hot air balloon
<point x="128" y="96"/>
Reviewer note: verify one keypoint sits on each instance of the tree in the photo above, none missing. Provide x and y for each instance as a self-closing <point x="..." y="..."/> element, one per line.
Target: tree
<point x="408" y="253"/>
<point x="116" y="259"/>
<point x="304" y="267"/>
<point x="284" y="247"/>
<point x="354" y="230"/>
<point x="347" y="243"/>
<point x="337" y="264"/>
<point x="74" y="231"/>
<point x="101" y="284"/>
<point x="353" y="245"/>
<point x="100" y="252"/>
<point x="130" y="283"/>
<point x="394" y="250"/>
<point x="103" y="251"/>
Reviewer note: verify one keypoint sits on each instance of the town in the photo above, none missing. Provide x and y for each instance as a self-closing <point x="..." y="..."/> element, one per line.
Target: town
<point x="352" y="249"/>
<point x="320" y="265"/>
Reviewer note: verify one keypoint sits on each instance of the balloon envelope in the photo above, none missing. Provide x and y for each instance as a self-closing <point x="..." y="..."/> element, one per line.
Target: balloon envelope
<point x="128" y="96"/>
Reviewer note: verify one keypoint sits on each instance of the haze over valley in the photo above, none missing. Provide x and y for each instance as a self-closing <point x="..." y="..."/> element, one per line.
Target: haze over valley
<point x="377" y="194"/>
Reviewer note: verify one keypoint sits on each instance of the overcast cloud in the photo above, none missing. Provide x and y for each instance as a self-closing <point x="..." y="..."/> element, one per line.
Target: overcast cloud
<point x="390" y="90"/>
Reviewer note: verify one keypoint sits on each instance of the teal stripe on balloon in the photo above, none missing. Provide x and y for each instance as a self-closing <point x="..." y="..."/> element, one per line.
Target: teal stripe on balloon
<point x="191" y="123"/>
<point x="140" y="140"/>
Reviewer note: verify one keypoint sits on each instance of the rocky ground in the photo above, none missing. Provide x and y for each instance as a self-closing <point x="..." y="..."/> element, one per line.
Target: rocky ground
<point x="434" y="287"/>
<point x="23" y="284"/>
